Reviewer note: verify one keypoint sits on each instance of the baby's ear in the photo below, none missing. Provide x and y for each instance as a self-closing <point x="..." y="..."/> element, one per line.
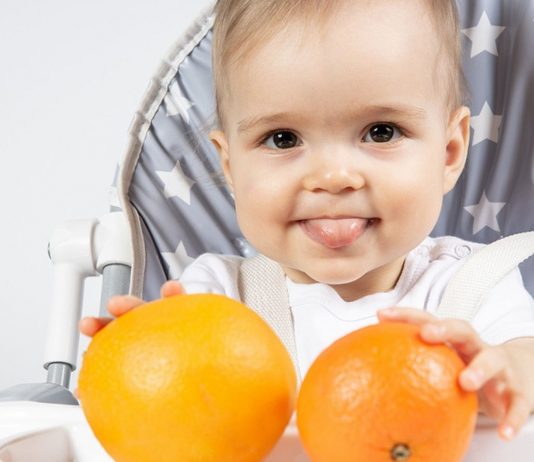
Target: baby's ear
<point x="457" y="145"/>
<point x="218" y="139"/>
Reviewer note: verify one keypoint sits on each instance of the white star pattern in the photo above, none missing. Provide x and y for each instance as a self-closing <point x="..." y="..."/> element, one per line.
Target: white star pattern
<point x="483" y="36"/>
<point x="177" y="261"/>
<point x="486" y="125"/>
<point x="485" y="214"/>
<point x="177" y="183"/>
<point x="176" y="103"/>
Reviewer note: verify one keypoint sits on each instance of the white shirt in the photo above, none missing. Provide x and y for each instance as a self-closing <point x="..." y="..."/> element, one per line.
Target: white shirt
<point x="321" y="316"/>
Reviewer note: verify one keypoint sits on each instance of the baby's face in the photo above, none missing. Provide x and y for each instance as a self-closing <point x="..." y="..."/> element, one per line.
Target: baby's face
<point x="337" y="146"/>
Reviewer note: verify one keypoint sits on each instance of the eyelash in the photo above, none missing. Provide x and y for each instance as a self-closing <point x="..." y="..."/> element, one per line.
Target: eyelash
<point x="403" y="133"/>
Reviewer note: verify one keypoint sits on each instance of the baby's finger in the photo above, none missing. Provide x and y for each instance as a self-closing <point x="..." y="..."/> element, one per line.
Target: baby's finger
<point x="493" y="399"/>
<point x="516" y="416"/>
<point x="120" y="304"/>
<point x="90" y="326"/>
<point x="409" y="315"/>
<point x="485" y="366"/>
<point x="170" y="288"/>
<point x="457" y="333"/>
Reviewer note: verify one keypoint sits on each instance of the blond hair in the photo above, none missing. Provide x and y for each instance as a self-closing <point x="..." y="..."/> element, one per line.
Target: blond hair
<point x="242" y="25"/>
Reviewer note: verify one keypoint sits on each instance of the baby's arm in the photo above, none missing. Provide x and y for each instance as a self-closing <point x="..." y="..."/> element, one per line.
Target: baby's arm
<point x="502" y="374"/>
<point x="121" y="304"/>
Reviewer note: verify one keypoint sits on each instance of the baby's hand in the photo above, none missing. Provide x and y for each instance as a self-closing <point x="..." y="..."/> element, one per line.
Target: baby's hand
<point x="496" y="372"/>
<point x="121" y="304"/>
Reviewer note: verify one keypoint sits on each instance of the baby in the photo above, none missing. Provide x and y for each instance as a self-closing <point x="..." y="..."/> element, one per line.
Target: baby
<point x="341" y="127"/>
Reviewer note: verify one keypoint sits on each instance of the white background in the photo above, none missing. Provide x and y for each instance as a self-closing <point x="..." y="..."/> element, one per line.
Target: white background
<point x="72" y="74"/>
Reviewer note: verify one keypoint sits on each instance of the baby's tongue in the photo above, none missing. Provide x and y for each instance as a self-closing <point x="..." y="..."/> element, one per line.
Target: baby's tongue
<point x="334" y="232"/>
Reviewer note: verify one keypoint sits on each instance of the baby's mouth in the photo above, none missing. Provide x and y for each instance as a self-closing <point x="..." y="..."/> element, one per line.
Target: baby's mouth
<point x="335" y="233"/>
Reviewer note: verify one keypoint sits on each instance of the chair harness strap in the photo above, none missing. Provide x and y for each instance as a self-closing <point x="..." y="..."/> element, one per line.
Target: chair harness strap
<point x="263" y="288"/>
<point x="482" y="271"/>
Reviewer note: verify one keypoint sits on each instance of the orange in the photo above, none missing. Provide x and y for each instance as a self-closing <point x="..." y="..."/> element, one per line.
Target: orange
<point x="381" y="394"/>
<point x="190" y="378"/>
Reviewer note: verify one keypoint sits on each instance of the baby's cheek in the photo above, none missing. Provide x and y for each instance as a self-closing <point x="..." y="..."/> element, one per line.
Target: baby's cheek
<point x="420" y="202"/>
<point x="254" y="211"/>
<point x="409" y="218"/>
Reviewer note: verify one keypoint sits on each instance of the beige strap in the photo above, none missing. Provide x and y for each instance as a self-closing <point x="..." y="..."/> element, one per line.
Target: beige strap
<point x="263" y="288"/>
<point x="481" y="272"/>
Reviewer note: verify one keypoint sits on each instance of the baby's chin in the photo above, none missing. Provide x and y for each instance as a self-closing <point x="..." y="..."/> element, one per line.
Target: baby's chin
<point x="338" y="279"/>
<point x="331" y="273"/>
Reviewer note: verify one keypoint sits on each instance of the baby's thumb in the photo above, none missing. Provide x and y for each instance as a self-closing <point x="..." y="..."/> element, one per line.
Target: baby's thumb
<point x="170" y="288"/>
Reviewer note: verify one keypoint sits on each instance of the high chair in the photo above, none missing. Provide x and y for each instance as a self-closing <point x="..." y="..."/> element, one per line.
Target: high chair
<point x="170" y="205"/>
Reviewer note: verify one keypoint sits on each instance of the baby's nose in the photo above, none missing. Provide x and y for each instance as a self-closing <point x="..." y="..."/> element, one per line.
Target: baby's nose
<point x="334" y="174"/>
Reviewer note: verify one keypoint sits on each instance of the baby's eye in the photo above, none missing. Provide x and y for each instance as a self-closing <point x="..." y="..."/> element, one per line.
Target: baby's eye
<point x="382" y="133"/>
<point x="283" y="139"/>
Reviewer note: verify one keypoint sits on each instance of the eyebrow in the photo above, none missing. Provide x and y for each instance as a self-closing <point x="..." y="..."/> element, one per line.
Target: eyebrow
<point x="376" y="111"/>
<point x="251" y="122"/>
